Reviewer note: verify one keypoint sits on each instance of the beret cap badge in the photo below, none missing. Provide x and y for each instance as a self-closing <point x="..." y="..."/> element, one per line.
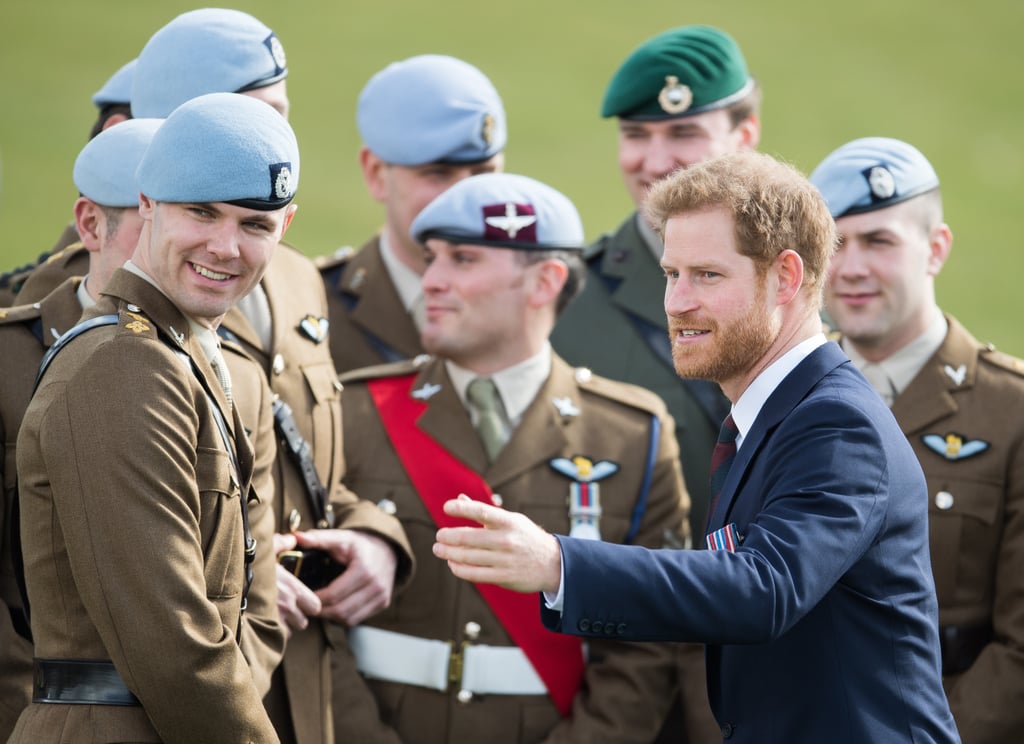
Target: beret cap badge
<point x="881" y="182"/>
<point x="675" y="97"/>
<point x="487" y="129"/>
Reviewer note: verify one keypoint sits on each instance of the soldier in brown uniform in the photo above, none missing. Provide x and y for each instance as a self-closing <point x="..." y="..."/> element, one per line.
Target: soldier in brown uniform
<point x="426" y="123"/>
<point x="957" y="401"/>
<point x="134" y="470"/>
<point x="450" y="662"/>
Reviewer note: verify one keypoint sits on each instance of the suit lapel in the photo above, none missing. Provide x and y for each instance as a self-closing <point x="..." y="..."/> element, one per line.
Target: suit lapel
<point x="931" y="397"/>
<point x="446" y="419"/>
<point x="641" y="288"/>
<point x="543" y="433"/>
<point x="793" y="388"/>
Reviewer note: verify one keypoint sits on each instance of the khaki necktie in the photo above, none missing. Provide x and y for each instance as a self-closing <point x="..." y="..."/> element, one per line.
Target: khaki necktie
<point x="491" y="422"/>
<point x="220" y="368"/>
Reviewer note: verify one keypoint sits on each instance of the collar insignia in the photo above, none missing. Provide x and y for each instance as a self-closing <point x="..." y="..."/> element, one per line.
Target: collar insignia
<point x="137" y="324"/>
<point x="953" y="446"/>
<point x="179" y="337"/>
<point x="428" y="391"/>
<point x="566" y="407"/>
<point x="956" y="375"/>
<point x="675" y="97"/>
<point x="315" y="328"/>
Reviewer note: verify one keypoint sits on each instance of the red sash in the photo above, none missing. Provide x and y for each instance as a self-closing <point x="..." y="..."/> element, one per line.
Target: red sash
<point x="437" y="477"/>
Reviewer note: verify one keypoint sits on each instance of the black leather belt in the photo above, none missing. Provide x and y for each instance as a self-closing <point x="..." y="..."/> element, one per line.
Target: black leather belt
<point x="961" y="645"/>
<point x="78" y="682"/>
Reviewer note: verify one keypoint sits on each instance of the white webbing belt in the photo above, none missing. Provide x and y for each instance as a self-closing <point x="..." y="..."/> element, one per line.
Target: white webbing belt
<point x="486" y="670"/>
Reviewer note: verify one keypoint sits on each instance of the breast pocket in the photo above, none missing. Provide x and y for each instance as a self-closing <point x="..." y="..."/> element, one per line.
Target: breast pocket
<point x="220" y="524"/>
<point x="965" y="523"/>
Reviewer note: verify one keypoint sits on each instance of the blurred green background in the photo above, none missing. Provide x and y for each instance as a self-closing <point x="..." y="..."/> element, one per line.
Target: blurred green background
<point x="944" y="76"/>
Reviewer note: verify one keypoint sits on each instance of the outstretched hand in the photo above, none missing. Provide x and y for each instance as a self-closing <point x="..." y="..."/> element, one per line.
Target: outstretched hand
<point x="508" y="549"/>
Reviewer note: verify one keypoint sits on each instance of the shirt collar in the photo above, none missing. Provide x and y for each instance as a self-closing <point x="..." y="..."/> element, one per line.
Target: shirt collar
<point x="746" y="409"/>
<point x="518" y="385"/>
<point x="901" y="367"/>
<point x="407" y="282"/>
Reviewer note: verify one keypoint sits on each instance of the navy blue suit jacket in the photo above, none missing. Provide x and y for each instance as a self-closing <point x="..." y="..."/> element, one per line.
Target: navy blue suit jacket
<point x="822" y="626"/>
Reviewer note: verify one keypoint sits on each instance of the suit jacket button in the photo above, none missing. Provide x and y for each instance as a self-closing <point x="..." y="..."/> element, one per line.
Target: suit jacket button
<point x="583" y="625"/>
<point x="597" y="626"/>
<point x="727" y="730"/>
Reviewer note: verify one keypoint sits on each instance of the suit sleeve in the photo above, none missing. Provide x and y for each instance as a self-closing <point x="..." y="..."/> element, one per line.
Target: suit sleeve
<point x="986" y="699"/>
<point x="147" y="535"/>
<point x="629" y="687"/>
<point x="814" y="516"/>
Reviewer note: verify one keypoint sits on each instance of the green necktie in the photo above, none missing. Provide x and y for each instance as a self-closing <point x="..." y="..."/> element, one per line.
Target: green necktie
<point x="490" y="425"/>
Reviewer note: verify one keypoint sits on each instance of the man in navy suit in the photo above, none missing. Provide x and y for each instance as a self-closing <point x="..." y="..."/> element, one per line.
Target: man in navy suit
<point x="816" y="599"/>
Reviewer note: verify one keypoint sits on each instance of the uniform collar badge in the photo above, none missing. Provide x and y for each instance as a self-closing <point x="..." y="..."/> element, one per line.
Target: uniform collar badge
<point x="314" y="328"/>
<point x="138" y="322"/>
<point x="428" y="391"/>
<point x="584" y="493"/>
<point x="954" y="446"/>
<point x="566" y="407"/>
<point x="179" y="337"/>
<point x="675" y="97"/>
<point x="956" y="375"/>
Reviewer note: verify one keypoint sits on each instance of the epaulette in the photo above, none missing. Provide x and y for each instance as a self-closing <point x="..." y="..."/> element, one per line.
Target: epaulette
<point x="621" y="392"/>
<point x="68" y="251"/>
<point x="390" y="369"/>
<point x="339" y="257"/>
<point x="992" y="355"/>
<point x="20" y="313"/>
<point x="131" y="320"/>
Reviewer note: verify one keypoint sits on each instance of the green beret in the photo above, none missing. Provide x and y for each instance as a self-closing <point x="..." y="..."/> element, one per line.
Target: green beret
<point x="680" y="72"/>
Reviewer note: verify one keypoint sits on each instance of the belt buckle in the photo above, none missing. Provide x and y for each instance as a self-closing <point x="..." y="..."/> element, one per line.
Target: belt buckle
<point x="456" y="663"/>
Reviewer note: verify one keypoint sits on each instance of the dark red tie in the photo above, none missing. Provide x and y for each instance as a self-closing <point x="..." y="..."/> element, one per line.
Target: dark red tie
<point x="721" y="459"/>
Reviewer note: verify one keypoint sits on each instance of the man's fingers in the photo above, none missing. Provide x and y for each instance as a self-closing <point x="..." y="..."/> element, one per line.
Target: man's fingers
<point x="476" y="511"/>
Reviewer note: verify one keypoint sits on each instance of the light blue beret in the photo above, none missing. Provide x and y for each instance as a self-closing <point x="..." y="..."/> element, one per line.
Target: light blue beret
<point x="105" y="168"/>
<point x="210" y="50"/>
<point x="502" y="209"/>
<point x="118" y="89"/>
<point x="222" y="147"/>
<point x="431" y="108"/>
<point x="872" y="173"/>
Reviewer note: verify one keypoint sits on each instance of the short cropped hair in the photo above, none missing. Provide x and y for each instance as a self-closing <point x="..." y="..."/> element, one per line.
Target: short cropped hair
<point x="575" y="280"/>
<point x="774" y="205"/>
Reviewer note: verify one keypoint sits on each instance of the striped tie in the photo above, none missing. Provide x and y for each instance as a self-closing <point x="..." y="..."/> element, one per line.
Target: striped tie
<point x="721" y="459"/>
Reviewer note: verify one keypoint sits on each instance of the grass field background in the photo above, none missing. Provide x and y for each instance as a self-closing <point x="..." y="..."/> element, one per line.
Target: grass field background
<point x="944" y="76"/>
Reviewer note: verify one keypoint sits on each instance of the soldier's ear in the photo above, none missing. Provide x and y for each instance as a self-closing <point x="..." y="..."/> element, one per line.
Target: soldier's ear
<point x="548" y="278"/>
<point x="88" y="219"/>
<point x="940" y="243"/>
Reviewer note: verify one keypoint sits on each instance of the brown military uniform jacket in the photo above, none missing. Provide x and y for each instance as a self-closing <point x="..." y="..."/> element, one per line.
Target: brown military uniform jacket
<point x="299" y="369"/>
<point x="627" y="687"/>
<point x="963" y="416"/>
<point x="369" y="324"/>
<point x="132" y="531"/>
<point x="26" y="332"/>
